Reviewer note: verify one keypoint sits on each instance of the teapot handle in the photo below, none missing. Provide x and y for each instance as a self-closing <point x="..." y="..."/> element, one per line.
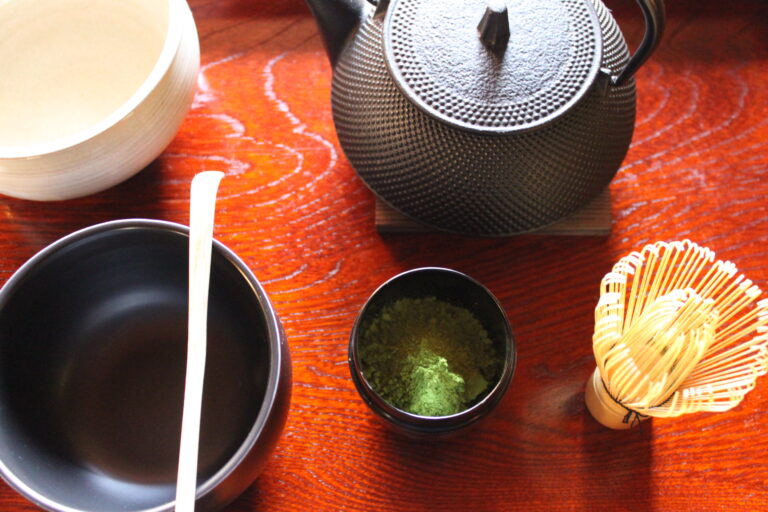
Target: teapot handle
<point x="655" y="19"/>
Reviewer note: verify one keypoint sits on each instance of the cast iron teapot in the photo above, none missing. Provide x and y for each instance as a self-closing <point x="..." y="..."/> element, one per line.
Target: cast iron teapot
<point x="483" y="118"/>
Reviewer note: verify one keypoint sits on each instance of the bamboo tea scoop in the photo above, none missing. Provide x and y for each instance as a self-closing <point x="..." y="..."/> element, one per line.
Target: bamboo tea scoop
<point x="201" y="214"/>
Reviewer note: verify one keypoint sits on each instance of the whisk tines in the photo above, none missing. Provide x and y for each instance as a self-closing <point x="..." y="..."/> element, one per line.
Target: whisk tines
<point x="676" y="331"/>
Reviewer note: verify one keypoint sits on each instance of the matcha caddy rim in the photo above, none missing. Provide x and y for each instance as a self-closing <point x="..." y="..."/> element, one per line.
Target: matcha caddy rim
<point x="445" y="292"/>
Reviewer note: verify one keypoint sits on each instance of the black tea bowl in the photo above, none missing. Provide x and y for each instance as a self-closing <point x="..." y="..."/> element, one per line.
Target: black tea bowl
<point x="93" y="335"/>
<point x="459" y="290"/>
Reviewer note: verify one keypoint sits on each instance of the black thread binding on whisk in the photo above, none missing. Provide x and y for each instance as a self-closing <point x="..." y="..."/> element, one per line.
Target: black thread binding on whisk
<point x="633" y="418"/>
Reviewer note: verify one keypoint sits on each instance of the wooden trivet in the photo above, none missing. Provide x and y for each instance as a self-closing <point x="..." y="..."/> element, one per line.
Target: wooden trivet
<point x="594" y="219"/>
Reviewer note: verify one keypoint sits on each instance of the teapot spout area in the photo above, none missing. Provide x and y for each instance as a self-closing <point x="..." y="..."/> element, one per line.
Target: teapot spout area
<point x="336" y="19"/>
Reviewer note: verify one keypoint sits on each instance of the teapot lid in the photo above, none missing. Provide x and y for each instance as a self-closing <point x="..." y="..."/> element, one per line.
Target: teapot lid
<point x="452" y="59"/>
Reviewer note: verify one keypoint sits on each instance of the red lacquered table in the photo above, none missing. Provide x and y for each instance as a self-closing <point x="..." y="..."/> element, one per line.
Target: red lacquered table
<point x="292" y="207"/>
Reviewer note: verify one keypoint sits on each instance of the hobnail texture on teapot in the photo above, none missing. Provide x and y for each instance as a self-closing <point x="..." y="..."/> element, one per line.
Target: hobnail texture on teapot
<point x="483" y="118"/>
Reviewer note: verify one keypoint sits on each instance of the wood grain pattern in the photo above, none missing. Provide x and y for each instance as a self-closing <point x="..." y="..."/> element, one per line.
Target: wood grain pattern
<point x="293" y="209"/>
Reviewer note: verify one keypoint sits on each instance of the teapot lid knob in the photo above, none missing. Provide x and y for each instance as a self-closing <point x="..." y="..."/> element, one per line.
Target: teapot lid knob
<point x="494" y="25"/>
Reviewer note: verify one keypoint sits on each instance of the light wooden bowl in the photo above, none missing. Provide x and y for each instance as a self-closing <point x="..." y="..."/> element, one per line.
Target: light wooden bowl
<point x="89" y="101"/>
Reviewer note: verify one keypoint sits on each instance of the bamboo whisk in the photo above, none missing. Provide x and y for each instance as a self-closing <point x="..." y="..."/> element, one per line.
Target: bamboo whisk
<point x="676" y="332"/>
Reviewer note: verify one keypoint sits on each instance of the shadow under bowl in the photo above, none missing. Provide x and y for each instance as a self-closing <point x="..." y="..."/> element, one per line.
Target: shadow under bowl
<point x="459" y="290"/>
<point x="93" y="336"/>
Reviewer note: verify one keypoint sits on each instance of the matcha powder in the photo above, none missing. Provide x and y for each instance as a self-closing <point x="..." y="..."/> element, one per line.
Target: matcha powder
<point x="427" y="357"/>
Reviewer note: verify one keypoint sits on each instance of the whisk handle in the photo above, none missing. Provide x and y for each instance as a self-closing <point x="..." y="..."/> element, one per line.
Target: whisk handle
<point x="605" y="409"/>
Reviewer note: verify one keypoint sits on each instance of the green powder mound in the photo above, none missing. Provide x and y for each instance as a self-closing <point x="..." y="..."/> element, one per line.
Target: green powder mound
<point x="427" y="357"/>
<point x="435" y="389"/>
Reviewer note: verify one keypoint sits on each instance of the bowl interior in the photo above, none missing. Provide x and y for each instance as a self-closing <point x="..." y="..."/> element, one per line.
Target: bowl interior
<point x="92" y="364"/>
<point x="69" y="64"/>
